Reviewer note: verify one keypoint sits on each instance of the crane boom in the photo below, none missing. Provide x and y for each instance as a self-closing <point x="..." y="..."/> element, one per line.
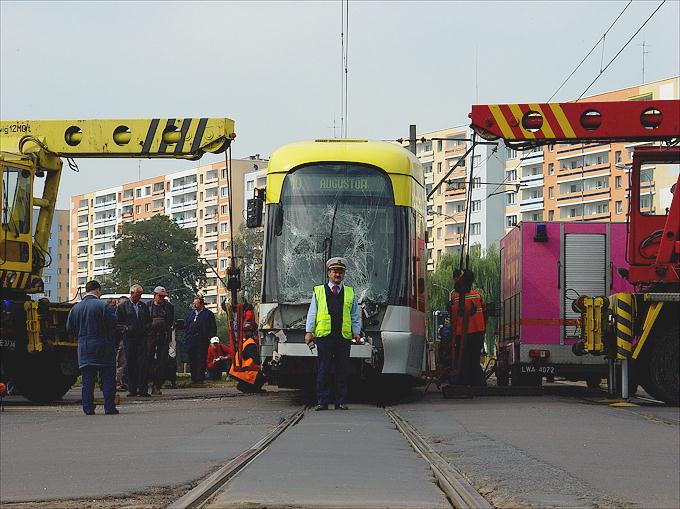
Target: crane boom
<point x="575" y="122"/>
<point x="179" y="138"/>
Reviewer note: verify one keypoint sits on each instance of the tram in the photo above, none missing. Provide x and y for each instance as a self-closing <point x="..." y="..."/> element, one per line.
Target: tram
<point x="362" y="200"/>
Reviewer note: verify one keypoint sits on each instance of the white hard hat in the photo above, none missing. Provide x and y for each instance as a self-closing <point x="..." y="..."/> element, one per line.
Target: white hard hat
<point x="215" y="339"/>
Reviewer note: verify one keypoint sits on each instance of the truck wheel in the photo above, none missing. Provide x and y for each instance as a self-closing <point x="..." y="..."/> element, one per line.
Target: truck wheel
<point x="41" y="380"/>
<point x="664" y="366"/>
<point x="502" y="368"/>
<point x="593" y="381"/>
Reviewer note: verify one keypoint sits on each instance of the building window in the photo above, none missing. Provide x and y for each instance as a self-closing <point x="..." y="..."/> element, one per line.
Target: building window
<point x="476" y="161"/>
<point x="224" y="210"/>
<point x="138" y="192"/>
<point x="551" y="192"/>
<point x="476" y="205"/>
<point x="224" y="190"/>
<point x="510" y="198"/>
<point x="147" y="206"/>
<point x="511" y="175"/>
<point x="224" y="227"/>
<point x="619" y="207"/>
<point x="138" y="209"/>
<point x="476" y="182"/>
<point x="439" y="167"/>
<point x="439" y="145"/>
<point x="510" y="221"/>
<point x="617" y="156"/>
<point x="551" y="215"/>
<point x="551" y="168"/>
<point x="617" y="181"/>
<point x="475" y="228"/>
<point x="439" y="233"/>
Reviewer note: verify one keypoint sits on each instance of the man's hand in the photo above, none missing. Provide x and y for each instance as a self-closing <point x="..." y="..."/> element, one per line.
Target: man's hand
<point x="356" y="338"/>
<point x="309" y="337"/>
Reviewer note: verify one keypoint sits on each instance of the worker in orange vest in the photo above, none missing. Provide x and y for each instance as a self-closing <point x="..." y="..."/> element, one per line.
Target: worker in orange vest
<point x="245" y="367"/>
<point x="468" y="326"/>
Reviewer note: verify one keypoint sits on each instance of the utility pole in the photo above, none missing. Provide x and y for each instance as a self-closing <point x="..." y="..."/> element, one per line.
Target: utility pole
<point x="412" y="138"/>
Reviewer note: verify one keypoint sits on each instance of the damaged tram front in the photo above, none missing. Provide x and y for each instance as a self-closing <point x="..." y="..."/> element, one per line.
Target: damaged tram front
<point x="361" y="200"/>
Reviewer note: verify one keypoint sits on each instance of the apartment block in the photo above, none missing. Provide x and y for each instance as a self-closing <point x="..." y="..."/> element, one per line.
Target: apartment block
<point x="197" y="199"/>
<point x="55" y="273"/>
<point x="439" y="155"/>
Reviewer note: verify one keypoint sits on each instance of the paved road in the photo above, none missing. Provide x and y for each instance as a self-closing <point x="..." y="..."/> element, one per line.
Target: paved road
<point x="557" y="451"/>
<point x="336" y="459"/>
<point x="51" y="452"/>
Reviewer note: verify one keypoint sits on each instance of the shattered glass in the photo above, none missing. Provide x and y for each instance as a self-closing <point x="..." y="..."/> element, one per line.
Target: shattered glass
<point x="333" y="210"/>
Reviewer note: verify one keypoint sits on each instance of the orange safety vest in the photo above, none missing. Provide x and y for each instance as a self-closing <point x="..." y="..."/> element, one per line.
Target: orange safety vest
<point x="246" y="369"/>
<point x="474" y="306"/>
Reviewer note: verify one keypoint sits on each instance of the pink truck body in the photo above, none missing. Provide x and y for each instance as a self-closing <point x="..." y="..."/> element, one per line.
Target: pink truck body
<point x="540" y="278"/>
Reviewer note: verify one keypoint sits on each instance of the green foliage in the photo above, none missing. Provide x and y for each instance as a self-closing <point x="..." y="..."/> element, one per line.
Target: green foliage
<point x="222" y="326"/>
<point x="248" y="244"/>
<point x="158" y="252"/>
<point x="487" y="270"/>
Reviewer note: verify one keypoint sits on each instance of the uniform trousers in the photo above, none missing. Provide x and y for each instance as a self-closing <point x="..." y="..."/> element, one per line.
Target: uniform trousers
<point x="135" y="354"/>
<point x="333" y="357"/>
<point x="108" y="382"/>
<point x="157" y="357"/>
<point x="198" y="353"/>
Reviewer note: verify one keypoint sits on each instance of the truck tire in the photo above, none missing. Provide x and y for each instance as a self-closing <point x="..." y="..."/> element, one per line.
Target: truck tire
<point x="40" y="379"/>
<point x="664" y="365"/>
<point x="502" y="370"/>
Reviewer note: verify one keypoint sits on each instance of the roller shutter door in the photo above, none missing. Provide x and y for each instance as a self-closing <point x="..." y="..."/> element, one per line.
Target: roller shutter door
<point x="585" y="272"/>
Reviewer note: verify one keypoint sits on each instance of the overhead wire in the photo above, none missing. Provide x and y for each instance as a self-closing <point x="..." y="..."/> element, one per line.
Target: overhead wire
<point x="601" y="39"/>
<point x="621" y="50"/>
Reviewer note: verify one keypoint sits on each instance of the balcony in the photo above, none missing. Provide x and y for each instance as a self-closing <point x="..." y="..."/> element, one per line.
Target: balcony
<point x="183" y="205"/>
<point x="128" y="199"/>
<point x="187" y="223"/>
<point x="82" y="254"/>
<point x="105" y="237"/>
<point x="532" y="181"/>
<point x="100" y="271"/>
<point x="105" y="205"/>
<point x="191" y="186"/>
<point x="531" y="204"/>
<point x="82" y="241"/>
<point x="103" y="253"/>
<point x="105" y="221"/>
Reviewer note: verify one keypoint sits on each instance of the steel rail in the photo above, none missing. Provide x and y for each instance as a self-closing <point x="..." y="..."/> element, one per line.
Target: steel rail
<point x="457" y="489"/>
<point x="199" y="495"/>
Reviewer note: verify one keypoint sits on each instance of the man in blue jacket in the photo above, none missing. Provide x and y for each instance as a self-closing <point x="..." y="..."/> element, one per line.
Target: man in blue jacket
<point x="91" y="321"/>
<point x="199" y="327"/>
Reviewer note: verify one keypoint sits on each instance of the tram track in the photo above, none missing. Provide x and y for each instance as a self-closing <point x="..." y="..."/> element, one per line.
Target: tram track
<point x="198" y="496"/>
<point x="457" y="490"/>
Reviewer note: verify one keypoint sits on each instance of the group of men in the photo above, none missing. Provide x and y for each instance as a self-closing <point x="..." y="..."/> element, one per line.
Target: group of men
<point x="145" y="331"/>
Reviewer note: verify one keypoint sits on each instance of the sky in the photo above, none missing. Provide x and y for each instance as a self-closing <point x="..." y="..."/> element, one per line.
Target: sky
<point x="275" y="67"/>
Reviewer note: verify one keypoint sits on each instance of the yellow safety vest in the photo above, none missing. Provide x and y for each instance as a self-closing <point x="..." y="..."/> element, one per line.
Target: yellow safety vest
<point x="322" y="325"/>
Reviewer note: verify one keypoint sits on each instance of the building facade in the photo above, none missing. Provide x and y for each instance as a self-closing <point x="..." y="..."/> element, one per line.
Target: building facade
<point x="55" y="273"/>
<point x="197" y="199"/>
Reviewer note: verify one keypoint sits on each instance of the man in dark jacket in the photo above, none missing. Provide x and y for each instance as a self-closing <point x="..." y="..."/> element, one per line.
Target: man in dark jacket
<point x="134" y="324"/>
<point x="162" y="315"/>
<point x="199" y="327"/>
<point x="91" y="321"/>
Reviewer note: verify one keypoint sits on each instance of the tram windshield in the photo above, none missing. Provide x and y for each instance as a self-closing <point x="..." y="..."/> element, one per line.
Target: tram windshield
<point x="335" y="210"/>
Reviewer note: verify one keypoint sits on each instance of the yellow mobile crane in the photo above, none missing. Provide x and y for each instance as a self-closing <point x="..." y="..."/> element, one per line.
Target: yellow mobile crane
<point x="35" y="350"/>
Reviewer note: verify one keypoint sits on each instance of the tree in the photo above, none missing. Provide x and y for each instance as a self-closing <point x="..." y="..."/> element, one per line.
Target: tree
<point x="248" y="244"/>
<point x="487" y="270"/>
<point x="158" y="252"/>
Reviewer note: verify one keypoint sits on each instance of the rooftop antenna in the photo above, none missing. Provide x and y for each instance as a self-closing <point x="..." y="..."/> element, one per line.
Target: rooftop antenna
<point x="644" y="46"/>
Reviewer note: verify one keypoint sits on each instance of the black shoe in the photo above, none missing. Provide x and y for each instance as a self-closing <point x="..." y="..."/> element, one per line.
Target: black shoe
<point x="320" y="407"/>
<point x="131" y="394"/>
<point x="113" y="412"/>
<point x="89" y="413"/>
<point x="144" y="395"/>
<point x="341" y="407"/>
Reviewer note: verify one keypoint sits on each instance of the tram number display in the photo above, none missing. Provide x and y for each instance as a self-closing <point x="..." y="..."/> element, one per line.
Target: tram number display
<point x="350" y="183"/>
<point x="543" y="370"/>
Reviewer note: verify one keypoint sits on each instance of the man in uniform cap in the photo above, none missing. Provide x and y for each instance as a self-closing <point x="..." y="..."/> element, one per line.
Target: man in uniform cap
<point x="333" y="322"/>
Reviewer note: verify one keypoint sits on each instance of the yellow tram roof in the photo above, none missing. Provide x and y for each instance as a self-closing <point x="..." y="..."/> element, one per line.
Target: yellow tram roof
<point x="402" y="166"/>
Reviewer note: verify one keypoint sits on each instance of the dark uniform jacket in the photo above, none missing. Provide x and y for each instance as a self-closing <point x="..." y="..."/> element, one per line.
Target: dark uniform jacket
<point x="91" y="321"/>
<point x="199" y="328"/>
<point x="131" y="326"/>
